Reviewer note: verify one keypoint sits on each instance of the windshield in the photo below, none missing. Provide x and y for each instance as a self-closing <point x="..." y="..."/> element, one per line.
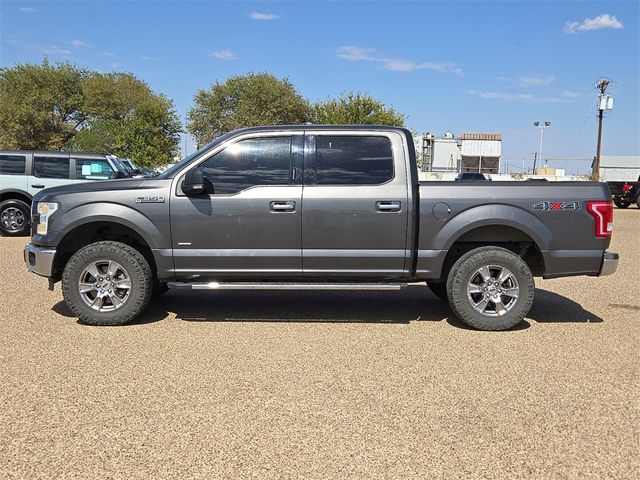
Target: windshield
<point x="170" y="172"/>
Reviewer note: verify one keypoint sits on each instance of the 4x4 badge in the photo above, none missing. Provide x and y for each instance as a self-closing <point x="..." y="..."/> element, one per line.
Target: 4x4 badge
<point x="556" y="206"/>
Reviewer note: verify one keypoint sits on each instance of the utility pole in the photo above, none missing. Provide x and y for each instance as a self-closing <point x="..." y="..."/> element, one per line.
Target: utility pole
<point x="535" y="158"/>
<point x="605" y="102"/>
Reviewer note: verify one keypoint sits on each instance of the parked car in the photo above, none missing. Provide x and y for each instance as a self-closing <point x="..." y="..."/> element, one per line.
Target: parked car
<point x="624" y="193"/>
<point x="133" y="169"/>
<point x="316" y="207"/>
<point x="470" y="177"/>
<point x="25" y="173"/>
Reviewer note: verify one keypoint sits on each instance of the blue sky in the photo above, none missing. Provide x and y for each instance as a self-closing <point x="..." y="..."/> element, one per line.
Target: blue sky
<point x="459" y="66"/>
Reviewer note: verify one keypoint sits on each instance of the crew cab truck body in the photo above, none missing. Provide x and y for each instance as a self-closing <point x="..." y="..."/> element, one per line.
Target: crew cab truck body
<point x="316" y="207"/>
<point x="25" y="173"/>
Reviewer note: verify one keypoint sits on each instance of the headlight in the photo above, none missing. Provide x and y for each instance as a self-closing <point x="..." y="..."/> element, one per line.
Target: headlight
<point x="45" y="210"/>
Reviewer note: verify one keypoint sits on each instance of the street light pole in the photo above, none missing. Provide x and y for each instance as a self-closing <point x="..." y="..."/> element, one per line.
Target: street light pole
<point x="541" y="126"/>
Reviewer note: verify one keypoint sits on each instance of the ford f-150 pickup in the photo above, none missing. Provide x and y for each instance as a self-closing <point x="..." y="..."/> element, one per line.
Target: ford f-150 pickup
<point x="316" y="207"/>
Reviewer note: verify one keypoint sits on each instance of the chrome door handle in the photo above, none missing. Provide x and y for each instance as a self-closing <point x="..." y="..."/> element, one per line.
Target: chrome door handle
<point x="282" y="206"/>
<point x="388" y="206"/>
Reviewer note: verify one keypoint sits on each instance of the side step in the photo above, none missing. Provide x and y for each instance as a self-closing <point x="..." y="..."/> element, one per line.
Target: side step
<point x="285" y="286"/>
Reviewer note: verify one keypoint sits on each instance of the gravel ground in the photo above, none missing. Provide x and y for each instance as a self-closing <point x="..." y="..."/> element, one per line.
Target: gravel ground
<point x="323" y="385"/>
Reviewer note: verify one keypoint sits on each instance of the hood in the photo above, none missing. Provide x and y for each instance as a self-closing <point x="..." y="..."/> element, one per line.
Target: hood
<point x="132" y="184"/>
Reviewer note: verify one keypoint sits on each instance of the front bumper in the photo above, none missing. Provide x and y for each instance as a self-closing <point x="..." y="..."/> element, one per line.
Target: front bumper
<point x="39" y="259"/>
<point x="609" y="263"/>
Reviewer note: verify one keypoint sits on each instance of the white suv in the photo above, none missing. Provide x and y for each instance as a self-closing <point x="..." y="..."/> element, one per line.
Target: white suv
<point x="25" y="173"/>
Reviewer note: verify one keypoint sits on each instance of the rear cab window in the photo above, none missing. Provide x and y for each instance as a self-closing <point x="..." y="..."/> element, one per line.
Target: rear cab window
<point x="11" y="164"/>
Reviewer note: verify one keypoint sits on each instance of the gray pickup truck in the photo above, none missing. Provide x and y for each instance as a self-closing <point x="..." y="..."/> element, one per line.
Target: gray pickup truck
<point x="316" y="207"/>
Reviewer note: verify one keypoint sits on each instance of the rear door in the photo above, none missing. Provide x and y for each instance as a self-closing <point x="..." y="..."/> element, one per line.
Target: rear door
<point x="355" y="204"/>
<point x="49" y="170"/>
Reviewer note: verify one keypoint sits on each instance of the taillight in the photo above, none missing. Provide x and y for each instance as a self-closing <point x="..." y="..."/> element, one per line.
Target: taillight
<point x="626" y="187"/>
<point x="602" y="212"/>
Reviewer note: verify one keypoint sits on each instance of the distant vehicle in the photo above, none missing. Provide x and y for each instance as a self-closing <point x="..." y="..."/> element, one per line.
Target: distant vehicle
<point x="622" y="174"/>
<point x="134" y="170"/>
<point x="471" y="177"/>
<point x="25" y="173"/>
<point x="316" y="207"/>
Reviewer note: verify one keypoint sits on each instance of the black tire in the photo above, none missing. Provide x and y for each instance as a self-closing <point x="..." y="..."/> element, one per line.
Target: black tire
<point x="132" y="263"/>
<point x="621" y="203"/>
<point x="438" y="289"/>
<point x="15" y="218"/>
<point x="466" y="273"/>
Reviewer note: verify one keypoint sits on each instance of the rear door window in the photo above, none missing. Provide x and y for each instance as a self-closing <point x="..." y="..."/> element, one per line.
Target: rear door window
<point x="353" y="160"/>
<point x="94" y="169"/>
<point x="50" y="166"/>
<point x="12" y="164"/>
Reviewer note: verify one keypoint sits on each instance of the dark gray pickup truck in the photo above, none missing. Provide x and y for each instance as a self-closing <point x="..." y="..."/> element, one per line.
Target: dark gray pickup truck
<point x="316" y="207"/>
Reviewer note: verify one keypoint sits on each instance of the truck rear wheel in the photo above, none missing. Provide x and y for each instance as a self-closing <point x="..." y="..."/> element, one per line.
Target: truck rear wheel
<point x="15" y="218"/>
<point x="621" y="203"/>
<point x="490" y="288"/>
<point x="107" y="283"/>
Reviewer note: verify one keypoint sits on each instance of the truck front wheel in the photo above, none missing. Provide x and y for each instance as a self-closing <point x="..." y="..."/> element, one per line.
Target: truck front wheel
<point x="107" y="283"/>
<point x="621" y="203"/>
<point x="490" y="288"/>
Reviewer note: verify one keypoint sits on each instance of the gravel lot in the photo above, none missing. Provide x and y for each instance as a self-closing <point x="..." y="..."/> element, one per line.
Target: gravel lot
<point x="323" y="385"/>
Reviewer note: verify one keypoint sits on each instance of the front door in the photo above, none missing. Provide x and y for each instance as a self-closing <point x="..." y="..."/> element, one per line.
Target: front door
<point x="248" y="223"/>
<point x="354" y="219"/>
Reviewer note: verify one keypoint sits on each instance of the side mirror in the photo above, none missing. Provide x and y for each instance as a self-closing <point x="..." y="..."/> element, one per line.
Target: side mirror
<point x="120" y="174"/>
<point x="193" y="182"/>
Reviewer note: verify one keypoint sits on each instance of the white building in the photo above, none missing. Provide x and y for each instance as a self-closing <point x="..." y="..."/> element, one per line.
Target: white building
<point x="471" y="152"/>
<point x="619" y="168"/>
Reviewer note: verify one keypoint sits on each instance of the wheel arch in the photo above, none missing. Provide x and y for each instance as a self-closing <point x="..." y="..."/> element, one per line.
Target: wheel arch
<point x="495" y="225"/>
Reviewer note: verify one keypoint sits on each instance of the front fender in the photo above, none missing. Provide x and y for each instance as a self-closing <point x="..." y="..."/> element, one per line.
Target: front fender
<point x="104" y="212"/>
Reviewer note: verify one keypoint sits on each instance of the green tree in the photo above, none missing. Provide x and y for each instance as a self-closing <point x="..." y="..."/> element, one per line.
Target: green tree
<point x="243" y="101"/>
<point x="40" y="105"/>
<point x="55" y="107"/>
<point x="126" y="118"/>
<point x="355" y="109"/>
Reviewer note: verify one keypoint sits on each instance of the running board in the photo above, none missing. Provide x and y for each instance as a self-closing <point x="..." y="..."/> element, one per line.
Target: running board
<point x="284" y="286"/>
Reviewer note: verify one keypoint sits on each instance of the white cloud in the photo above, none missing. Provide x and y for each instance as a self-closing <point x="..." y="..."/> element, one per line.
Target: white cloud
<point x="514" y="97"/>
<point x="535" y="81"/>
<point x="225" y="54"/>
<point x="355" y="54"/>
<point x="263" y="16"/>
<point x="27" y="10"/>
<point x="107" y="55"/>
<point x="569" y="94"/>
<point x="52" y="50"/>
<point x="79" y="44"/>
<point x="601" y="21"/>
<point x="148" y="58"/>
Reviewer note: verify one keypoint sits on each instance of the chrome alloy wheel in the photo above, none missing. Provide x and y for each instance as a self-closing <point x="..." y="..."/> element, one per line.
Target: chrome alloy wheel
<point x="104" y="285"/>
<point x="12" y="219"/>
<point x="493" y="290"/>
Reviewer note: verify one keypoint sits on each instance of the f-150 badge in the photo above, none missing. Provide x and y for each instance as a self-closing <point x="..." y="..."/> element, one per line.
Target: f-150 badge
<point x="149" y="199"/>
<point x="556" y="206"/>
